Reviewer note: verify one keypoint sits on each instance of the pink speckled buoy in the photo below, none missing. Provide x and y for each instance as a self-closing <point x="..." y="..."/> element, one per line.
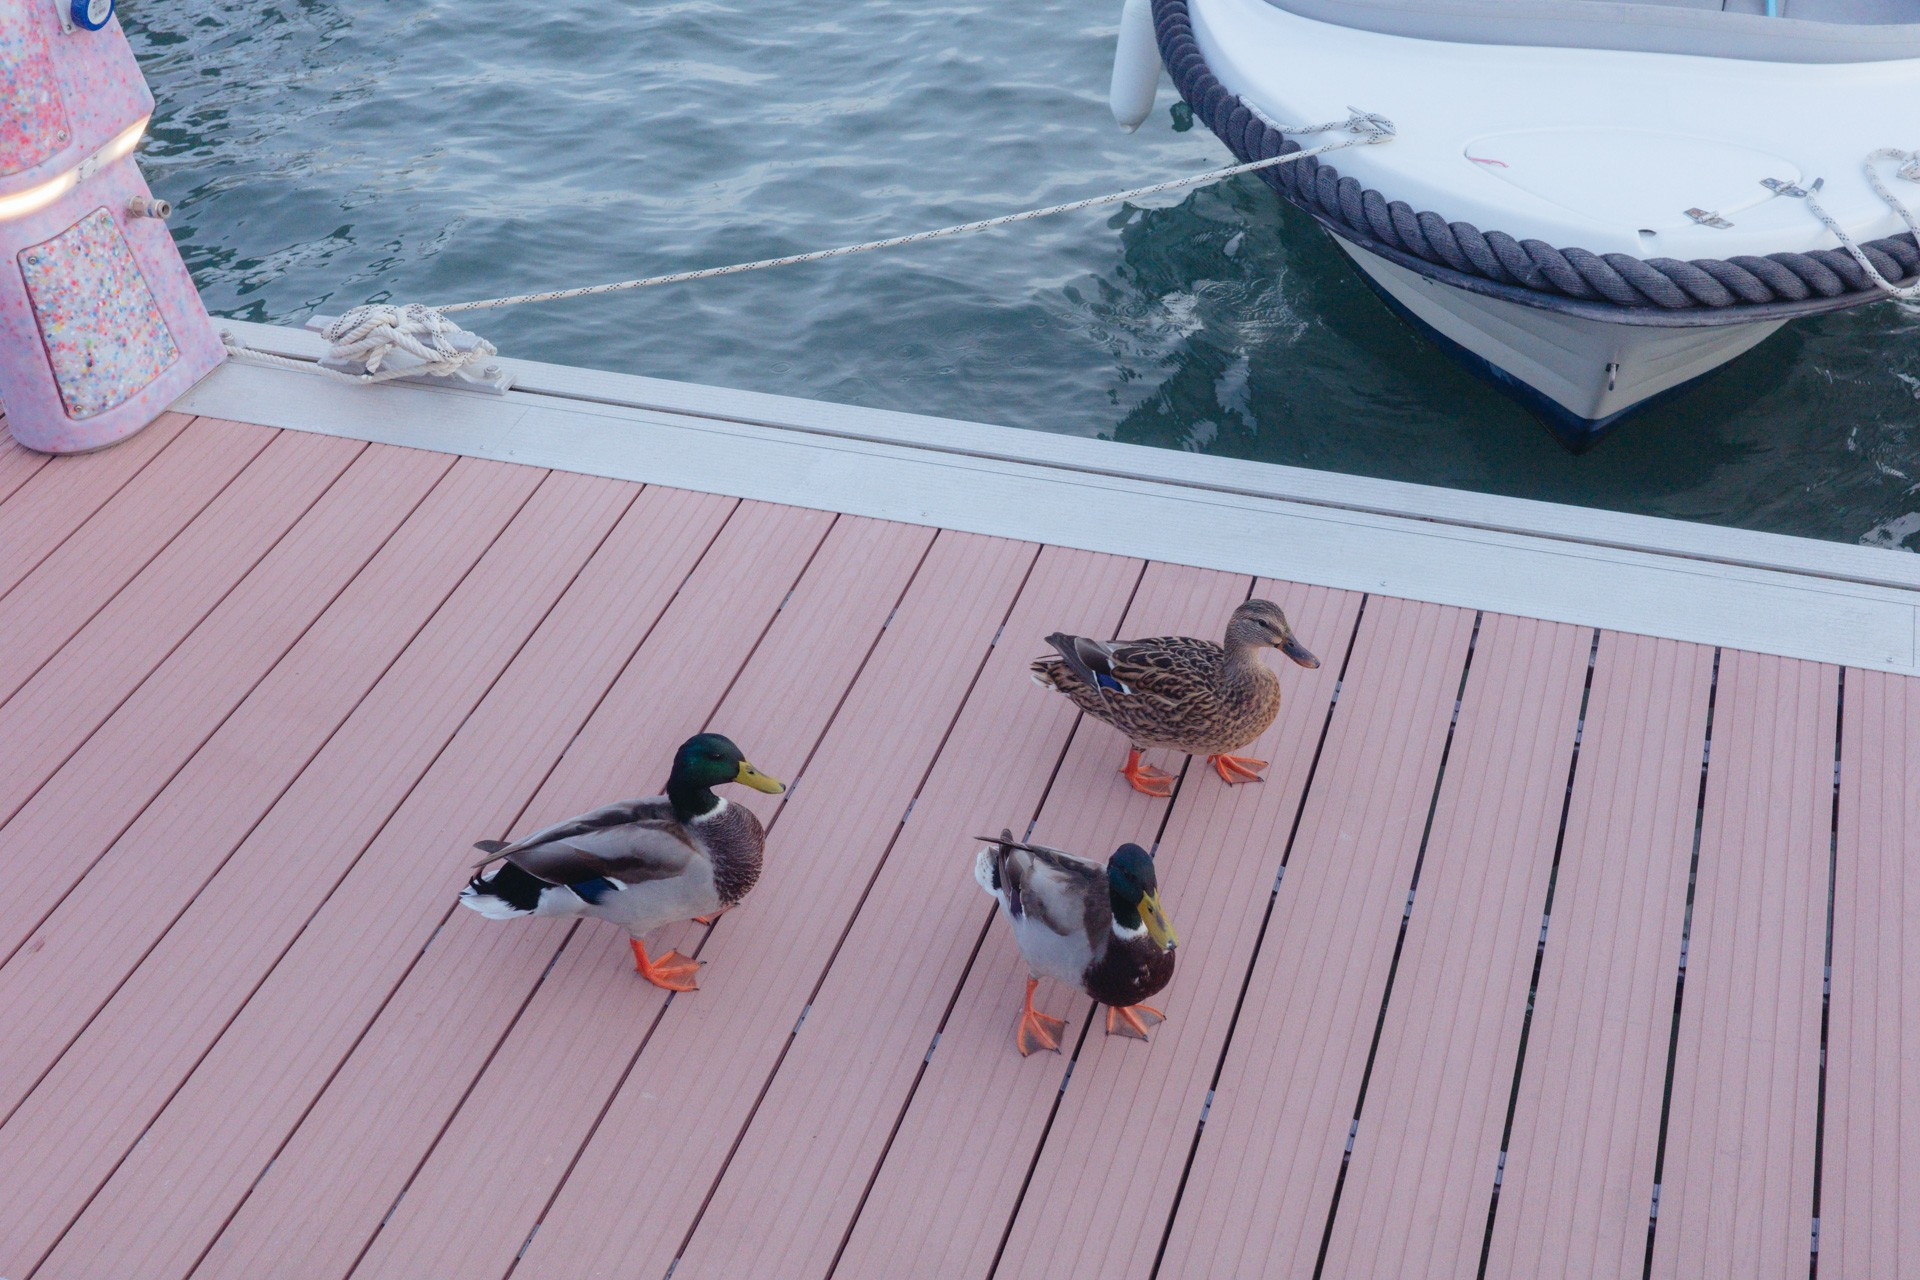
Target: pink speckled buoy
<point x="100" y="326"/>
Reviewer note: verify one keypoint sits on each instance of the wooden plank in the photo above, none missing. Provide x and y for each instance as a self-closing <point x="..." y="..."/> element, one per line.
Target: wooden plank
<point x="1222" y="850"/>
<point x="791" y="1189"/>
<point x="1576" y="1189"/>
<point x="1736" y="1196"/>
<point x="1264" y="1169"/>
<point x="50" y="604"/>
<point x="1422" y="1172"/>
<point x="1871" y="1168"/>
<point x="64" y="494"/>
<point x="17" y="463"/>
<point x="330" y="1190"/>
<point x="832" y="840"/>
<point x="953" y="1172"/>
<point x="71" y="694"/>
<point x="172" y="1193"/>
<point x="132" y="757"/>
<point x="149" y="872"/>
<point x="262" y="897"/>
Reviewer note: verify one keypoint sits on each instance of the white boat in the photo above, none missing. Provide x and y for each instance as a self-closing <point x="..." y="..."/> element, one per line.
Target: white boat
<point x="1593" y="203"/>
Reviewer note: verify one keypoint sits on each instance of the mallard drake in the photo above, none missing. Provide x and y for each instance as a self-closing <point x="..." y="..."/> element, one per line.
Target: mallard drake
<point x="1188" y="695"/>
<point x="639" y="863"/>
<point x="1098" y="928"/>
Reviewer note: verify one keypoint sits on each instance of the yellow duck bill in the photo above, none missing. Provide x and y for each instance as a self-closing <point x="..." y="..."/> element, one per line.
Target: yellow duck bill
<point x="1156" y="921"/>
<point x="748" y="776"/>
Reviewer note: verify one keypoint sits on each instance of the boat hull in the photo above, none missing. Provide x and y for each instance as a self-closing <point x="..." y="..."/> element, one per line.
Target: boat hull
<point x="1581" y="376"/>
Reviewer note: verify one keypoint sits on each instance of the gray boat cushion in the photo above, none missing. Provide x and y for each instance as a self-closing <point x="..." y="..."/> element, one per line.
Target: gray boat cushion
<point x="1806" y="31"/>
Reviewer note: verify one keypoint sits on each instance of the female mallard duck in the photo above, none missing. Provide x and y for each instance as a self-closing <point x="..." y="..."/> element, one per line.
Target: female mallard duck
<point x="1187" y="695"/>
<point x="1099" y="928"/>
<point x="639" y="863"/>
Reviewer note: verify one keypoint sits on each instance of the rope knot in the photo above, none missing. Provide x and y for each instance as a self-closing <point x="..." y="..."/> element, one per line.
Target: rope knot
<point x="1370" y="125"/>
<point x="367" y="335"/>
<point x="360" y="342"/>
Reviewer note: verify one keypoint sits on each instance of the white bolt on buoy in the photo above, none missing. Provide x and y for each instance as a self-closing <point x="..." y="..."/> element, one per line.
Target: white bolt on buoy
<point x="1136" y="66"/>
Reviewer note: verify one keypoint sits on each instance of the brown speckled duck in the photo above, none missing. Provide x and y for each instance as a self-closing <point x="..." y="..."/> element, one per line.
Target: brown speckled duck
<point x="1097" y="928"/>
<point x="1186" y="695"/>
<point x="688" y="854"/>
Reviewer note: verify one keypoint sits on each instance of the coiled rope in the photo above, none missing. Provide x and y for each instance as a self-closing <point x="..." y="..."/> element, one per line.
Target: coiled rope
<point x="1369" y="218"/>
<point x="366" y="336"/>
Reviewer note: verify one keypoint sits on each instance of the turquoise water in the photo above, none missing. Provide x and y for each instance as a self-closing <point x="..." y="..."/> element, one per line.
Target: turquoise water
<point x="329" y="152"/>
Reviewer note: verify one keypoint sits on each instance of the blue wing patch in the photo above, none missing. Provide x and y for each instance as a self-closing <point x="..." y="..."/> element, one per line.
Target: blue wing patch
<point x="595" y="889"/>
<point x="1108" y="682"/>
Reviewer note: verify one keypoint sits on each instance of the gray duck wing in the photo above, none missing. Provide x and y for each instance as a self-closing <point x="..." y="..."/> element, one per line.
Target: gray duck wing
<point x="619" y="813"/>
<point x="631" y="853"/>
<point x="1056" y="888"/>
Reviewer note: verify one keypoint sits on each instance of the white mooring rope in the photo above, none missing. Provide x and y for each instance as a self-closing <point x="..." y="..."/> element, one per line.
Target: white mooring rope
<point x="1909" y="170"/>
<point x="1369" y="128"/>
<point x="365" y="336"/>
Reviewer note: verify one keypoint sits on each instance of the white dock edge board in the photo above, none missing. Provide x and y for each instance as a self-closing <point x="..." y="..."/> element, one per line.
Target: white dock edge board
<point x="1857" y="606"/>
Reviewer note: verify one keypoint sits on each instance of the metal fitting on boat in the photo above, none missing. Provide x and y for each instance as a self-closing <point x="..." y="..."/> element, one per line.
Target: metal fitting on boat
<point x="149" y="207"/>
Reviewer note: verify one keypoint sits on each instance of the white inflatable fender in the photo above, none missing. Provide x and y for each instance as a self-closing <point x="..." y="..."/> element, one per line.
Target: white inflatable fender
<point x="1136" y="66"/>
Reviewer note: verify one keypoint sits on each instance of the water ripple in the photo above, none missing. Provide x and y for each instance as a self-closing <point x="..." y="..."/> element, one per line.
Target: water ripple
<point x="323" y="153"/>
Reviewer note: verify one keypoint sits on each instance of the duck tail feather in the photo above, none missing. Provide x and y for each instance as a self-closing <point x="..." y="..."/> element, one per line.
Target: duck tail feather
<point x="503" y="895"/>
<point x="1069" y="647"/>
<point x="989" y="863"/>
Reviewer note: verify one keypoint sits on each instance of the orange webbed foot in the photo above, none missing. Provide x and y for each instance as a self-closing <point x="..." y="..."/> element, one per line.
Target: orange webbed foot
<point x="1133" y="1020"/>
<point x="672" y="971"/>
<point x="1146" y="779"/>
<point x="1237" y="769"/>
<point x="1036" y="1030"/>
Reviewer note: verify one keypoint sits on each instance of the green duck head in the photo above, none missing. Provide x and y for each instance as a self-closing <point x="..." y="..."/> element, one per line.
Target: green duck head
<point x="706" y="761"/>
<point x="1134" y="893"/>
<point x="1260" y="624"/>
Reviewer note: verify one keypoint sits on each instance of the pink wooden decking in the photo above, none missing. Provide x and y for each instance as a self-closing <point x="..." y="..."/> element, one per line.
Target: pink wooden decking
<point x="1525" y="936"/>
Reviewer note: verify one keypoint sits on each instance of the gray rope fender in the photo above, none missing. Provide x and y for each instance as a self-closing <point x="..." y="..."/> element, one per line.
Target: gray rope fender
<point x="1529" y="271"/>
